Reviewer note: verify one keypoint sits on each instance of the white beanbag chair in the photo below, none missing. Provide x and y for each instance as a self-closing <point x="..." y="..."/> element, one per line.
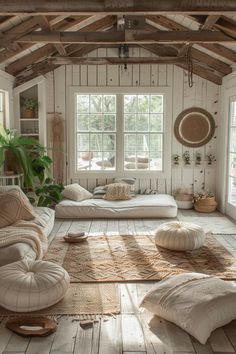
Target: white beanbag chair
<point x="196" y="302"/>
<point x="179" y="236"/>
<point x="28" y="285"/>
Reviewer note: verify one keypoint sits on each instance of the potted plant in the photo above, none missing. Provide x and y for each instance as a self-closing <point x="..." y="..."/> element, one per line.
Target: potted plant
<point x="15" y="154"/>
<point x="186" y="158"/>
<point x="30" y="105"/>
<point x="204" y="202"/>
<point x="210" y="158"/>
<point x="176" y="159"/>
<point x="47" y="194"/>
<point x="198" y="158"/>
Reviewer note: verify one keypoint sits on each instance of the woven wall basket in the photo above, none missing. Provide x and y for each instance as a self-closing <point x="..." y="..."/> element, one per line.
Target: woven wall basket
<point x="194" y="127"/>
<point x="207" y="205"/>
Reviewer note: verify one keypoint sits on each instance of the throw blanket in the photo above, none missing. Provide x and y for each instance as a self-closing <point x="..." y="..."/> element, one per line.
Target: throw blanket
<point x="26" y="232"/>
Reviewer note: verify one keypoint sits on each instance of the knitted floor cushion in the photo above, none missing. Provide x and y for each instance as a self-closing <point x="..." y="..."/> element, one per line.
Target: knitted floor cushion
<point x="179" y="236"/>
<point x="28" y="285"/>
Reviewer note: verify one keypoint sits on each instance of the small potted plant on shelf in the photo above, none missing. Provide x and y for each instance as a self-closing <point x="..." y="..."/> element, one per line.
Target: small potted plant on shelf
<point x="186" y="158"/>
<point x="30" y="107"/>
<point x="176" y="159"/>
<point x="210" y="158"/>
<point x="198" y="158"/>
<point x="204" y="202"/>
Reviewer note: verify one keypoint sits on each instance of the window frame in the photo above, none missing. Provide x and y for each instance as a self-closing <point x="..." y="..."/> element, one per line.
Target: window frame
<point x="120" y="171"/>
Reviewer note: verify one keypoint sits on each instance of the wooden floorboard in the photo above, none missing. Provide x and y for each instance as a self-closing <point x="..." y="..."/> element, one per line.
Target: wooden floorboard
<point x="131" y="332"/>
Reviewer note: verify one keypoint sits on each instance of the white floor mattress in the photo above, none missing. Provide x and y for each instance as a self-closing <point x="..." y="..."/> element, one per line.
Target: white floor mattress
<point x="141" y="206"/>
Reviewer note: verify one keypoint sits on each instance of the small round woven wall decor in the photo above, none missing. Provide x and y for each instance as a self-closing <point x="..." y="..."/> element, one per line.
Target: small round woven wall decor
<point x="194" y="127"/>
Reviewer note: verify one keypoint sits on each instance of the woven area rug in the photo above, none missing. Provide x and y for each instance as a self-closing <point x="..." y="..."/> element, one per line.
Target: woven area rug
<point x="136" y="257"/>
<point x="83" y="300"/>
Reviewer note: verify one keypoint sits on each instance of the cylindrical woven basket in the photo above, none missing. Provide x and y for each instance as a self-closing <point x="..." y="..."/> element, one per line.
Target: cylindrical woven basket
<point x="205" y="205"/>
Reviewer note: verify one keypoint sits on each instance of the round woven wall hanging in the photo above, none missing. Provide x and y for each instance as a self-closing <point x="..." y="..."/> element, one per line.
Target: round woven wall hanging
<point x="194" y="127"/>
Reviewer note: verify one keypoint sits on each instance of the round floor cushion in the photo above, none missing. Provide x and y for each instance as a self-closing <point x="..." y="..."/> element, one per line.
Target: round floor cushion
<point x="28" y="285"/>
<point x="179" y="236"/>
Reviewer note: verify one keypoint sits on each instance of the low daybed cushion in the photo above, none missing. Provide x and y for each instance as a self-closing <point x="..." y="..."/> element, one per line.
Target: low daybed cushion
<point x="141" y="206"/>
<point x="45" y="218"/>
<point x="196" y="302"/>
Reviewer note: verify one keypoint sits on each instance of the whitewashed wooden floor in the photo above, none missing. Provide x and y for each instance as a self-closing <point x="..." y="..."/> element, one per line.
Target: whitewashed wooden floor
<point x="131" y="332"/>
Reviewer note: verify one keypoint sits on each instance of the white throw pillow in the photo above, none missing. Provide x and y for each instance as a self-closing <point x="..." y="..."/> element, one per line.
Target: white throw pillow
<point x="196" y="302"/>
<point x="76" y="192"/>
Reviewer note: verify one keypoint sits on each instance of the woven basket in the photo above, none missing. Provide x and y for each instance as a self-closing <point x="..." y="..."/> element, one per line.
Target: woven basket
<point x="206" y="205"/>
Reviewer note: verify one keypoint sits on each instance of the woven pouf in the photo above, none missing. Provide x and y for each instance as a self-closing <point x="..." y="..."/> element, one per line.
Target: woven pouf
<point x="179" y="236"/>
<point x="28" y="285"/>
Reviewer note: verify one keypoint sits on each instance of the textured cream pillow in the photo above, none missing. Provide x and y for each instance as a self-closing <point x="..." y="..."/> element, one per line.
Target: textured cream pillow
<point x="14" y="206"/>
<point x="196" y="302"/>
<point x="76" y="192"/>
<point x="117" y="191"/>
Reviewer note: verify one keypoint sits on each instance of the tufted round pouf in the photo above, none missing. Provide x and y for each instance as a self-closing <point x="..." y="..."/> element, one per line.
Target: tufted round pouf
<point x="28" y="285"/>
<point x="179" y="236"/>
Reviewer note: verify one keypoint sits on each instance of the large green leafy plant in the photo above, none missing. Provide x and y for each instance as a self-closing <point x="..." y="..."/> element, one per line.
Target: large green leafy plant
<point x="30" y="158"/>
<point x="20" y="149"/>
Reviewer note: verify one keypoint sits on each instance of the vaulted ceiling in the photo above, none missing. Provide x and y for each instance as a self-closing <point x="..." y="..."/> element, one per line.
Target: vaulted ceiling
<point x="38" y="36"/>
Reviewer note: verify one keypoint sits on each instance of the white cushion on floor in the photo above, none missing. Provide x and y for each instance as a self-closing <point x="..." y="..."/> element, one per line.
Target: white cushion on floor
<point x="179" y="236"/>
<point x="28" y="285"/>
<point x="196" y="302"/>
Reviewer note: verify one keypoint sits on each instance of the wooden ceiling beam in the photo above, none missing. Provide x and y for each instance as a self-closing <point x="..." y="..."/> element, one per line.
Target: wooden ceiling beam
<point x="217" y="48"/>
<point x="45" y="25"/>
<point x="48" y="50"/>
<point x="196" y="54"/>
<point x="205" y="73"/>
<point x="128" y="36"/>
<point x="209" y="22"/>
<point x="117" y="7"/>
<point x="115" y="60"/>
<point x="61" y="25"/>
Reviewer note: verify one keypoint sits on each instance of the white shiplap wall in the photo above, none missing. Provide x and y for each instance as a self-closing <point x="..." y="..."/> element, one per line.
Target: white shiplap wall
<point x="203" y="94"/>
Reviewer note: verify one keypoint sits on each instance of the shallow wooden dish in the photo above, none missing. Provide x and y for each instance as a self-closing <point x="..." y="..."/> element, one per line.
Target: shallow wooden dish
<point x="48" y="326"/>
<point x="70" y="239"/>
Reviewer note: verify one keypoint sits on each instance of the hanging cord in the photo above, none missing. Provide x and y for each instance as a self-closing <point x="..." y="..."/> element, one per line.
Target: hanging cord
<point x="190" y="67"/>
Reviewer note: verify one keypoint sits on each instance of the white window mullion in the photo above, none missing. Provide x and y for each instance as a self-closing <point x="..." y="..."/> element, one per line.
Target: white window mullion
<point x="120" y="135"/>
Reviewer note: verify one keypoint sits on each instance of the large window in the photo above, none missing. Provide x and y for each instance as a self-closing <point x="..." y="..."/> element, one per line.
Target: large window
<point x="119" y="132"/>
<point x="232" y="155"/>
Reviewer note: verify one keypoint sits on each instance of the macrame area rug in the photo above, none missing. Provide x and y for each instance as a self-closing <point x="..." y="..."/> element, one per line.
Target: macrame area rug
<point x="83" y="300"/>
<point x="136" y="257"/>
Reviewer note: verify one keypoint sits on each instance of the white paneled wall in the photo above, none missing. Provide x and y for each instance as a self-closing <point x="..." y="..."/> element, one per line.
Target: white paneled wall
<point x="203" y="94"/>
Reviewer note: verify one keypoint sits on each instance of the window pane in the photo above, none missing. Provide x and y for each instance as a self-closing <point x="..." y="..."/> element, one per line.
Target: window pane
<point x="142" y="123"/>
<point x="233" y="139"/>
<point x="130" y="103"/>
<point x="130" y="122"/>
<point x="130" y="142"/>
<point x="233" y="115"/>
<point x="109" y="122"/>
<point x="143" y="103"/>
<point x="83" y="122"/>
<point x="83" y="103"/>
<point x="156" y="142"/>
<point x="82" y="142"/>
<point x="232" y="164"/>
<point x="96" y="122"/>
<point x="109" y="142"/>
<point x="95" y="103"/>
<point x="95" y="142"/>
<point x="109" y="104"/>
<point x="156" y="104"/>
<point x="232" y="191"/>
<point x="156" y="122"/>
